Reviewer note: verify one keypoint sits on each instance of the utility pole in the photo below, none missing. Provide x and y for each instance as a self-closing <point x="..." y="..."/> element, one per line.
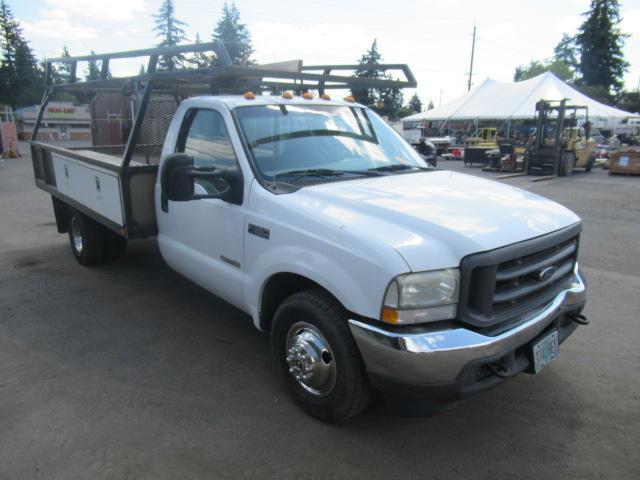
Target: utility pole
<point x="473" y="49"/>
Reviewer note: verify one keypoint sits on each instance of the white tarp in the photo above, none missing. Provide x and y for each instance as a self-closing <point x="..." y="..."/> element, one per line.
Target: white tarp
<point x="505" y="100"/>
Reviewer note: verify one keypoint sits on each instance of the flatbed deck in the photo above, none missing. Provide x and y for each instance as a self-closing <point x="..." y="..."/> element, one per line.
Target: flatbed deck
<point x="98" y="185"/>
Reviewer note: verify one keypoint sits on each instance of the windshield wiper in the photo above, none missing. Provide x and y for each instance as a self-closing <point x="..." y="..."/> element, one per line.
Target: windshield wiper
<point x="311" y="133"/>
<point x="326" y="172"/>
<point x="398" y="167"/>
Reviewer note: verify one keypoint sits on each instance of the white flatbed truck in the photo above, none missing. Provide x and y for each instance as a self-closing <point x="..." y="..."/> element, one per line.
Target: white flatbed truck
<point x="369" y="269"/>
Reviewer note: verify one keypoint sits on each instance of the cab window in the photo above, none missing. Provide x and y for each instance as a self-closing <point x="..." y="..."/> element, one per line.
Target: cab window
<point x="204" y="137"/>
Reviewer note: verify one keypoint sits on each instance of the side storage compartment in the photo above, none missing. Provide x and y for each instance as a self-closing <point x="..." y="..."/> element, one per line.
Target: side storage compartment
<point x="93" y="187"/>
<point x="84" y="180"/>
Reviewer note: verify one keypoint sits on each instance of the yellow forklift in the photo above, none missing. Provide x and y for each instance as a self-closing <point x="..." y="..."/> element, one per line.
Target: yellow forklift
<point x="560" y="145"/>
<point x="477" y="147"/>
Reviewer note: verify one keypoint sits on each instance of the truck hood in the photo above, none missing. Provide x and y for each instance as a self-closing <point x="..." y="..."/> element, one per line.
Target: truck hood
<point x="434" y="219"/>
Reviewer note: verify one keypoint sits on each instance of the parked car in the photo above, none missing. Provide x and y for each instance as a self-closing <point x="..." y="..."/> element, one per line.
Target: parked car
<point x="427" y="151"/>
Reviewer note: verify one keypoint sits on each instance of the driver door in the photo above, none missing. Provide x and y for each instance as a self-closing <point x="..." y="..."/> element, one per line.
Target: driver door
<point x="202" y="239"/>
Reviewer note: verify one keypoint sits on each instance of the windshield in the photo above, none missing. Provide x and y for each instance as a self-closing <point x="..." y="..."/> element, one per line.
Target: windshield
<point x="324" y="140"/>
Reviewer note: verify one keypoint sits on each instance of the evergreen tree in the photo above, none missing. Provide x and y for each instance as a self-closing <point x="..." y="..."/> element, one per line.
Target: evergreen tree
<point x="30" y="81"/>
<point x="566" y="51"/>
<point x="171" y="32"/>
<point x="200" y="59"/>
<point x="372" y="57"/>
<point x="564" y="63"/>
<point x="629" y="101"/>
<point x="430" y="106"/>
<point x="142" y="71"/>
<point x="561" y="69"/>
<point x="234" y="34"/>
<point x="11" y="36"/>
<point x="20" y="81"/>
<point x="386" y="101"/>
<point x="63" y="73"/>
<point x="415" y="103"/>
<point x="92" y="72"/>
<point x="390" y="102"/>
<point x="597" y="92"/>
<point x="600" y="40"/>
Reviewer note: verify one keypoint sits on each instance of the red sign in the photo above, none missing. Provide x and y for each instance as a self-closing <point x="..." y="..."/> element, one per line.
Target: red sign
<point x="61" y="110"/>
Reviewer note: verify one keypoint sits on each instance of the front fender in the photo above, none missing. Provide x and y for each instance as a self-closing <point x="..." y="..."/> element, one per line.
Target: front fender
<point x="357" y="275"/>
<point x="355" y="296"/>
<point x="353" y="267"/>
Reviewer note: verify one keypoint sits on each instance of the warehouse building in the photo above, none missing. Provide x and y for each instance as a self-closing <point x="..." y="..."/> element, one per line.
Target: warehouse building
<point x="62" y="121"/>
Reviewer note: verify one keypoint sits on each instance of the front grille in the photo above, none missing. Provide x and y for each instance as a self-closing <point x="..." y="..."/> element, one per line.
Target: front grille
<point x="504" y="284"/>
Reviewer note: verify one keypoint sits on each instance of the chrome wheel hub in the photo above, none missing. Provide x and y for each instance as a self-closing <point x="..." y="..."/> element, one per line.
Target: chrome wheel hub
<point x="310" y="359"/>
<point x="76" y="233"/>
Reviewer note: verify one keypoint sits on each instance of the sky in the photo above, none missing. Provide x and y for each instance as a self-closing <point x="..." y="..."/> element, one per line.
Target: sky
<point x="432" y="36"/>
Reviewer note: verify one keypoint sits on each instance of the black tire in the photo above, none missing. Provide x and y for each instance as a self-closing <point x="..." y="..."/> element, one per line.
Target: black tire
<point x="86" y="238"/>
<point x="350" y="393"/>
<point x="567" y="163"/>
<point x="590" y="163"/>
<point x="114" y="246"/>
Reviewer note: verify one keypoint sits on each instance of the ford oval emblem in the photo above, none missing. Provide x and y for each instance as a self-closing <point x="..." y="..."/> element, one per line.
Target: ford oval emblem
<point x="546" y="273"/>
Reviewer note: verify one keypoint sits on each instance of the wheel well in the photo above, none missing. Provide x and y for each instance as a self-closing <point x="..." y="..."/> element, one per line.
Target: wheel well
<point x="279" y="287"/>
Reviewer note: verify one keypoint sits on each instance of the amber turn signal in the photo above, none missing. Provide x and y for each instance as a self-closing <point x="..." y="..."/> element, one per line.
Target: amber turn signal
<point x="250" y="95"/>
<point x="389" y="315"/>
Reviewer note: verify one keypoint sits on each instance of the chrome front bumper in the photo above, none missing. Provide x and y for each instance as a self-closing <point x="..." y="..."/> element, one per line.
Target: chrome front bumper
<point x="439" y="356"/>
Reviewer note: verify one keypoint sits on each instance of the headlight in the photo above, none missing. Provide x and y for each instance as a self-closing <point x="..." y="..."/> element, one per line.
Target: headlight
<point x="422" y="297"/>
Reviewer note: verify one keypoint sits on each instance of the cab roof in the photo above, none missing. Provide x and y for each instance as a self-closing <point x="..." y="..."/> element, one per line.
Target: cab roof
<point x="233" y="101"/>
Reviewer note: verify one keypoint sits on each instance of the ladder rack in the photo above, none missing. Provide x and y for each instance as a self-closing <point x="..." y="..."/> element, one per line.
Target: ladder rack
<point x="224" y="76"/>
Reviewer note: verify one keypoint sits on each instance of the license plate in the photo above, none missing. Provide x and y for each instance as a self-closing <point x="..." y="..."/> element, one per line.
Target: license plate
<point x="545" y="350"/>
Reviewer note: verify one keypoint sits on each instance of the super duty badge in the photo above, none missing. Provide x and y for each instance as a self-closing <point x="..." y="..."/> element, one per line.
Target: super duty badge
<point x="259" y="231"/>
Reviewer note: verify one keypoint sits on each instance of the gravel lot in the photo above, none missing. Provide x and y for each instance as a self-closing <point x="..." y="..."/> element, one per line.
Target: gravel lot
<point x="127" y="370"/>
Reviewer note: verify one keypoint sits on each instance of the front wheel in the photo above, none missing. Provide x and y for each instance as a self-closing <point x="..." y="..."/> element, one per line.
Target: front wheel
<point x="318" y="357"/>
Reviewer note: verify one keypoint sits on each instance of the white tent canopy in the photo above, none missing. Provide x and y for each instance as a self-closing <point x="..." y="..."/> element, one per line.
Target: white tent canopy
<point x="511" y="101"/>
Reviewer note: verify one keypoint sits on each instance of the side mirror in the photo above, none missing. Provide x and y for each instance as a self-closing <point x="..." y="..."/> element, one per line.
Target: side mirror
<point x="176" y="177"/>
<point x="179" y="175"/>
